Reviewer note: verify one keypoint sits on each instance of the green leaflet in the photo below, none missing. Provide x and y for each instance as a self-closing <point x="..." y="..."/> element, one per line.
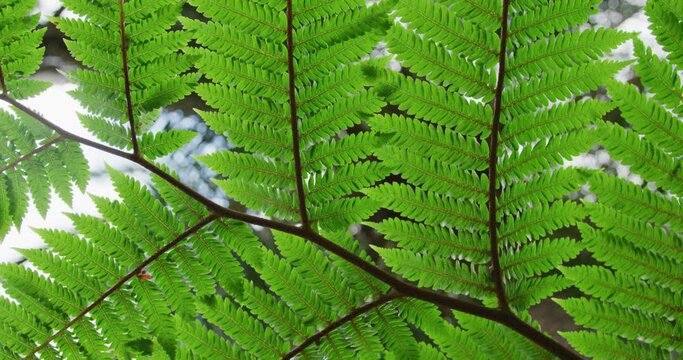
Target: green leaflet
<point x="649" y="118"/>
<point x="31" y="152"/>
<point x="666" y="16"/>
<point x="438" y="273"/>
<point x="620" y="288"/>
<point x="620" y="321"/>
<point x="28" y="149"/>
<point x="127" y="80"/>
<point x="20" y="48"/>
<point x="610" y="346"/>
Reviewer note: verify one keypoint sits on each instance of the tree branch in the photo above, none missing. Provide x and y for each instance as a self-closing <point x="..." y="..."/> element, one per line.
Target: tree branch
<point x="185" y="234"/>
<point x="294" y="119"/>
<point x="401" y="286"/>
<point x="32" y="153"/>
<point x="340" y="322"/>
<point x="496" y="272"/>
<point x="126" y="79"/>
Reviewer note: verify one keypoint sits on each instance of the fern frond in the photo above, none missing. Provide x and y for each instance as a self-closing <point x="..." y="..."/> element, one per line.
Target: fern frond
<point x="345" y="180"/>
<point x="437" y="176"/>
<point x="203" y="342"/>
<point x="452" y="341"/>
<point x="429" y="207"/>
<point x="539" y="221"/>
<point x="314" y="265"/>
<point x="639" y="233"/>
<point x="442" y="25"/>
<point x="249" y="168"/>
<point x="443" y="144"/>
<point x="324" y="33"/>
<point x="625" y="257"/>
<point x="481" y="119"/>
<point x="609" y="346"/>
<point x="665" y="16"/>
<point x="558" y="86"/>
<point x="626" y="290"/>
<point x="539" y="190"/>
<point x="546" y="154"/>
<point x="248" y="332"/>
<point x="637" y="202"/>
<point x="525" y="293"/>
<point x="559" y="119"/>
<point x="497" y="341"/>
<point x="156" y="145"/>
<point x="539" y="21"/>
<point x="332" y="120"/>
<point x="563" y="50"/>
<point x="288" y="284"/>
<point x="438" y="273"/>
<point x="20" y="51"/>
<point x="238" y="44"/>
<point x="480" y="136"/>
<point x="243" y="106"/>
<point x="29" y="149"/>
<point x="439" y="241"/>
<point x="348" y="150"/>
<point x="540" y="257"/>
<point x="628" y="323"/>
<point x="337" y="214"/>
<point x="274" y="312"/>
<point x="660" y="78"/>
<point x="308" y="11"/>
<point x="436" y="105"/>
<point x="645" y="158"/>
<point x="51" y="162"/>
<point x="432" y="61"/>
<point x="648" y="118"/>
<point x="133" y="65"/>
<point x="284" y="90"/>
<point x="325" y="61"/>
<point x="273" y="202"/>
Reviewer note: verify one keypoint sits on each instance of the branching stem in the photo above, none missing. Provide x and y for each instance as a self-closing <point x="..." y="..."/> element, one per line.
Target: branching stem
<point x="31" y="154"/>
<point x="496" y="271"/>
<point x="122" y="281"/>
<point x="294" y="120"/>
<point x="400" y="286"/>
<point x="126" y="79"/>
<point x="340" y="322"/>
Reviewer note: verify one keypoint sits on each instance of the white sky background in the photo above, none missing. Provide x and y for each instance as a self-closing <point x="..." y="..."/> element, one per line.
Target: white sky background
<point x="61" y="109"/>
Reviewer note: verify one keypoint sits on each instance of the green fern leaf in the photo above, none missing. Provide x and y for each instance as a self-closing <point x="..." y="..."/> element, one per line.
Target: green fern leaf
<point x="20" y="50"/>
<point x="438" y="273"/>
<point x="133" y="66"/>
<point x="630" y="324"/>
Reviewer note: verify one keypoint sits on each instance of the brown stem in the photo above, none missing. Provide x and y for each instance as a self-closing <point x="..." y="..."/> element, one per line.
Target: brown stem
<point x="30" y="154"/>
<point x="3" y="85"/>
<point x="496" y="272"/>
<point x="64" y="133"/>
<point x="126" y="79"/>
<point x="405" y="288"/>
<point x="340" y="322"/>
<point x="294" y="119"/>
<point x="185" y="234"/>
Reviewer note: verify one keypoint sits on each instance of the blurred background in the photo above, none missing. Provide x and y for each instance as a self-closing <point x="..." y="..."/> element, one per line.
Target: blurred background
<point x="58" y="107"/>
